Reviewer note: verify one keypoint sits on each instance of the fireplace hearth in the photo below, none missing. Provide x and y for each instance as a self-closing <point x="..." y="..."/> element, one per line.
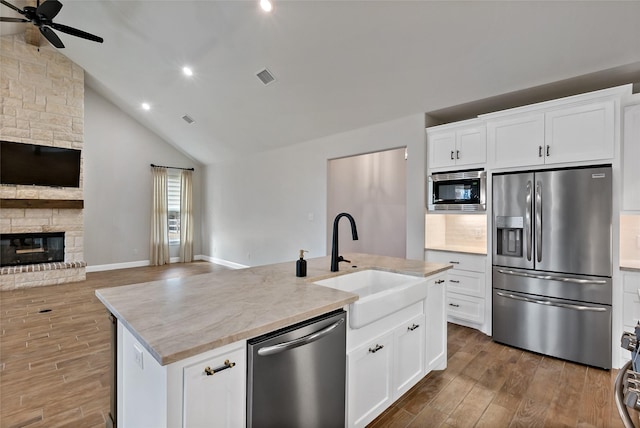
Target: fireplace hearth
<point x="31" y="248"/>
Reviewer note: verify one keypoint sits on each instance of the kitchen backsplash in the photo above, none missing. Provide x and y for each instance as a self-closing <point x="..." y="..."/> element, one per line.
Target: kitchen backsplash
<point x="456" y="232"/>
<point x="629" y="239"/>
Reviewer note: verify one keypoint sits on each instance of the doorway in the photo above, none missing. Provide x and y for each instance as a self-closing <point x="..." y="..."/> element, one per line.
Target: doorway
<point x="372" y="188"/>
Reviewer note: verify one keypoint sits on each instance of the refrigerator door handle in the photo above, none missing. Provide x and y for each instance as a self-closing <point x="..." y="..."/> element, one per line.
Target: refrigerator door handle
<point x="539" y="221"/>
<point x="549" y="303"/>
<point x="527" y="225"/>
<point x="285" y="346"/>
<point x="552" y="278"/>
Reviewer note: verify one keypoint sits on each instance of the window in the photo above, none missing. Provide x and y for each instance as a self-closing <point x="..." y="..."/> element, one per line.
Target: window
<point x="173" y="207"/>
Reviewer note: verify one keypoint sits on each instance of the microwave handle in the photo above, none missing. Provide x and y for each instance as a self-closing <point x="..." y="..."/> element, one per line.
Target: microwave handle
<point x="527" y="224"/>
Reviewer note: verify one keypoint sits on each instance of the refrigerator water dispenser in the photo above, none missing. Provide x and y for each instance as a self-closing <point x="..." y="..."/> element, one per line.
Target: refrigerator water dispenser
<point x="509" y="239"/>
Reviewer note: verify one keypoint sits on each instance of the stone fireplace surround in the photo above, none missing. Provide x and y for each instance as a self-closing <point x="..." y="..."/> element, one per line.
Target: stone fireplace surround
<point x="42" y="94"/>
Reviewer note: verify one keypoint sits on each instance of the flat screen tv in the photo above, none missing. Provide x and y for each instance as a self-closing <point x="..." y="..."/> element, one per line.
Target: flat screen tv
<point x="32" y="164"/>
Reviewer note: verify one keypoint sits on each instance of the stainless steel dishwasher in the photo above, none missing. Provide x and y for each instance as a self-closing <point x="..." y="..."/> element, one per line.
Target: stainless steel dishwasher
<point x="296" y="376"/>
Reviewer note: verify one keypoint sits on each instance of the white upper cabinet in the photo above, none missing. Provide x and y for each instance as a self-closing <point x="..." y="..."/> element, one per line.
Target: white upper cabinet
<point x="516" y="140"/>
<point x="458" y="144"/>
<point x="580" y="133"/>
<point x="631" y="156"/>
<point x="581" y="128"/>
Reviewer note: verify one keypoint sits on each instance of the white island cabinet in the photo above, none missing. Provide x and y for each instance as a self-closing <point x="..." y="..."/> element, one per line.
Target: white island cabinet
<point x="389" y="356"/>
<point x="186" y="393"/>
<point x="180" y="350"/>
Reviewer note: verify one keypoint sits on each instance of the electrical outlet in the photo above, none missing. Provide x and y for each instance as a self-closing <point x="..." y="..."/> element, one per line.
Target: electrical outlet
<point x="310" y="217"/>
<point x="138" y="353"/>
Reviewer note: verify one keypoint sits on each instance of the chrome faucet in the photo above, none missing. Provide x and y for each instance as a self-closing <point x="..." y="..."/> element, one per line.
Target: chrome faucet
<point x="335" y="258"/>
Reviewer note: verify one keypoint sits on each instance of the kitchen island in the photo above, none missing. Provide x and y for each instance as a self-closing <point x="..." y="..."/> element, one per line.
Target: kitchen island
<point x="165" y="328"/>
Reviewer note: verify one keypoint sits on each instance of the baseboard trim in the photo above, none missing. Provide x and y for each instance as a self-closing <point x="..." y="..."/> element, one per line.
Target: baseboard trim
<point x="142" y="263"/>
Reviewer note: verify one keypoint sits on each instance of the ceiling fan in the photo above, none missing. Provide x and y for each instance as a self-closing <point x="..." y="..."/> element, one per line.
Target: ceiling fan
<point x="42" y="17"/>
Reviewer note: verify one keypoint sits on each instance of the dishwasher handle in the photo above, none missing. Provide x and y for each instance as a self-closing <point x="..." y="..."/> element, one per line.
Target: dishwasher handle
<point x="285" y="346"/>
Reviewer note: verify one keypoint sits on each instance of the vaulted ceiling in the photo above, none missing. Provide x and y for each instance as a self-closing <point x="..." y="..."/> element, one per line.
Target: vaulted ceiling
<point x="338" y="65"/>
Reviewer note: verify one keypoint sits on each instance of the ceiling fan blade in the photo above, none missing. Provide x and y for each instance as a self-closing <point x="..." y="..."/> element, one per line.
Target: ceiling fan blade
<point x="6" y="19"/>
<point x="52" y="37"/>
<point x="76" y="32"/>
<point x="6" y="3"/>
<point x="49" y="9"/>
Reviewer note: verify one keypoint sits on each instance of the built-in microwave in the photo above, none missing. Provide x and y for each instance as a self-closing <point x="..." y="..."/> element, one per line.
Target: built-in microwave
<point x="457" y="191"/>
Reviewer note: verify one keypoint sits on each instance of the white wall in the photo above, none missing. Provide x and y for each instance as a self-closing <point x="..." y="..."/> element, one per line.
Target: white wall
<point x="117" y="185"/>
<point x="258" y="209"/>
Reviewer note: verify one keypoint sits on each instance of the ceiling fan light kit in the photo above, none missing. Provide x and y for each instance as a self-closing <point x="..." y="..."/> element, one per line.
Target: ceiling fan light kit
<point x="42" y="17"/>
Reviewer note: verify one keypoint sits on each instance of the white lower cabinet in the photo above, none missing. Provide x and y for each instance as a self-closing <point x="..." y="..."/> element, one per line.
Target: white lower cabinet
<point x="409" y="355"/>
<point x="180" y="394"/>
<point x="369" y="380"/>
<point x="215" y="399"/>
<point x="389" y="356"/>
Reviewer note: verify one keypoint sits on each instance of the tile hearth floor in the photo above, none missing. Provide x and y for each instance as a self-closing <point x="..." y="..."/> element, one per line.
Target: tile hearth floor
<point x="54" y="369"/>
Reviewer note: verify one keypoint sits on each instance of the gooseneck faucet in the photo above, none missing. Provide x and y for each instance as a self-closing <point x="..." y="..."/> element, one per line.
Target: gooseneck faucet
<point x="335" y="258"/>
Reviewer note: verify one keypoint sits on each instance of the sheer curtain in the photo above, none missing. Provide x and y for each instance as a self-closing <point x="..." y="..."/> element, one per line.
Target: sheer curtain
<point x="159" y="249"/>
<point x="186" y="216"/>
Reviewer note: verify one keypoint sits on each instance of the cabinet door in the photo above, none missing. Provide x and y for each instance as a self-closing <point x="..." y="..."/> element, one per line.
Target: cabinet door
<point x="580" y="133"/>
<point x="409" y="355"/>
<point x="216" y="400"/>
<point x="516" y="141"/>
<point x="436" y="324"/>
<point x="369" y="380"/>
<point x="631" y="158"/>
<point x="471" y="146"/>
<point x="441" y="149"/>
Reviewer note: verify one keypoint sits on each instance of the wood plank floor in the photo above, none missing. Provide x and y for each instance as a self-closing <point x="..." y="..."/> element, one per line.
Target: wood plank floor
<point x="54" y="369"/>
<point x="54" y="365"/>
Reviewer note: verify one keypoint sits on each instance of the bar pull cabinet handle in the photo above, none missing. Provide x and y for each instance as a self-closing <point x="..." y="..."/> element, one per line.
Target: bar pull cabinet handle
<point x="451" y="154"/>
<point x="548" y="154"/>
<point x="455" y="305"/>
<point x="226" y="365"/>
<point x="539" y="151"/>
<point x="457" y="154"/>
<point x="454" y="281"/>
<point x="413" y="327"/>
<point x="527" y="224"/>
<point x="376" y="349"/>
<point x="454" y="262"/>
<point x="440" y="281"/>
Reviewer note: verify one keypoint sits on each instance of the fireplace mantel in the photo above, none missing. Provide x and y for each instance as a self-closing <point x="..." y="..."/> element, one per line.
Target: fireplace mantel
<point x="42" y="203"/>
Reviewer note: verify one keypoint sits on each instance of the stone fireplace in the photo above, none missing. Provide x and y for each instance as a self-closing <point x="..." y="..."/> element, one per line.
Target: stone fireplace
<point x="42" y="103"/>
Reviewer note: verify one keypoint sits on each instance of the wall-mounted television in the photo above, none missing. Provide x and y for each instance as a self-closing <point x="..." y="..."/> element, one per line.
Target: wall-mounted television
<point x="31" y="164"/>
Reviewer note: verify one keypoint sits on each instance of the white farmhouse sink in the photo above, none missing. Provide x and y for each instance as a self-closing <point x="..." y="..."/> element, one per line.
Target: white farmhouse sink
<point x="381" y="293"/>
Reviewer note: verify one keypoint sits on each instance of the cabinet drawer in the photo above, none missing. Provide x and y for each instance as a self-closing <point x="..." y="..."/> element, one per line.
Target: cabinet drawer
<point x="461" y="261"/>
<point x="465" y="307"/>
<point x="468" y="283"/>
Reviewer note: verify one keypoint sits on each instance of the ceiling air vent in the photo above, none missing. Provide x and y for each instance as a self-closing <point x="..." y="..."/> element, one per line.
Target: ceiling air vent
<point x="188" y="119"/>
<point x="266" y="77"/>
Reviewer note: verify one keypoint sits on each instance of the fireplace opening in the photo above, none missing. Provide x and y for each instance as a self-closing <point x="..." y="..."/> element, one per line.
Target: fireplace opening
<point x="31" y="248"/>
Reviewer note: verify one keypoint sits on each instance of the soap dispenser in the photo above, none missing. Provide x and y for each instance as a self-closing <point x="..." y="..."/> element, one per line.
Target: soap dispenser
<point x="301" y="265"/>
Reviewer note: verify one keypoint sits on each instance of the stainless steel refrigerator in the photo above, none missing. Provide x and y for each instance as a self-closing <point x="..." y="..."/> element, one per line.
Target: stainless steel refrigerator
<point x="552" y="262"/>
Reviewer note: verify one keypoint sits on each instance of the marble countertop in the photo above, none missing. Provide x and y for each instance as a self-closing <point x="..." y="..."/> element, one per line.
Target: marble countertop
<point x="181" y="317"/>
<point x="459" y="249"/>
<point x="632" y="265"/>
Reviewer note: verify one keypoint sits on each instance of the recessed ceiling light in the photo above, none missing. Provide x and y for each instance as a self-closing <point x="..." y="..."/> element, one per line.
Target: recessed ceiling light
<point x="146" y="106"/>
<point x="266" y="5"/>
<point x="187" y="71"/>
